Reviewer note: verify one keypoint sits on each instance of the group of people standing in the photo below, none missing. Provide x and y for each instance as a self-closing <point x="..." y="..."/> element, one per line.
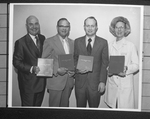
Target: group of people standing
<point x="89" y="86"/>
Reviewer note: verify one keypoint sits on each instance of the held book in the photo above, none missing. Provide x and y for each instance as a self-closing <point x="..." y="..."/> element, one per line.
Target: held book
<point x="85" y="63"/>
<point x="46" y="67"/>
<point x="66" y="61"/>
<point x="116" y="64"/>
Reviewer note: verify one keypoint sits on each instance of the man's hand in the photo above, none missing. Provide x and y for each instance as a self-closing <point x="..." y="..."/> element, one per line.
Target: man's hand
<point x="62" y="71"/>
<point x="83" y="71"/>
<point x="71" y="73"/>
<point x="35" y="69"/>
<point x="101" y="87"/>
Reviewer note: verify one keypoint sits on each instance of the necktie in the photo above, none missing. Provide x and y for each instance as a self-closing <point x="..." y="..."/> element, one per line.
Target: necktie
<point x="37" y="42"/>
<point x="89" y="47"/>
<point x="65" y="46"/>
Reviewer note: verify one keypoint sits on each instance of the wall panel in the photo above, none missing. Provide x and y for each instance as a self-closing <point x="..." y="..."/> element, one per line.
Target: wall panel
<point x="146" y="62"/>
<point x="3" y="54"/>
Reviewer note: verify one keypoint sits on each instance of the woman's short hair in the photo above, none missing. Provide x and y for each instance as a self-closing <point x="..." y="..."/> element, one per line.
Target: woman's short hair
<point x="120" y="19"/>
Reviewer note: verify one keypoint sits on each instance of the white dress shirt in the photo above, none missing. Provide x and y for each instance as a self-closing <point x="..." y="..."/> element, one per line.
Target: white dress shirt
<point x="65" y="44"/>
<point x="34" y="40"/>
<point x="92" y="42"/>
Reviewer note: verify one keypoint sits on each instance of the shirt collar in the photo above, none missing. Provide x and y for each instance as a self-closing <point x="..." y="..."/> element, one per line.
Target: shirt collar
<point x="92" y="38"/>
<point x="66" y="38"/>
<point x="121" y="42"/>
<point x="32" y="36"/>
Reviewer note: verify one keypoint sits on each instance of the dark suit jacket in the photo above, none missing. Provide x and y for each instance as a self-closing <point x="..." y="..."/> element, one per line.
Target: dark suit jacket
<point x="51" y="49"/>
<point x="100" y="63"/>
<point x="25" y="56"/>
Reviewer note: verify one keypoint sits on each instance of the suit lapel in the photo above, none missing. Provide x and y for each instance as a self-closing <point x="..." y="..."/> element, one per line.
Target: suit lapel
<point x="41" y="45"/>
<point x="83" y="45"/>
<point x="31" y="46"/>
<point x="59" y="45"/>
<point x="71" y="47"/>
<point x="95" y="46"/>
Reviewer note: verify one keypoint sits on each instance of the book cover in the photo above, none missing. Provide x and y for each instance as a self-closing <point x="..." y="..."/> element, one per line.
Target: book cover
<point x="116" y="64"/>
<point x="66" y="61"/>
<point x="85" y="63"/>
<point x="46" y="67"/>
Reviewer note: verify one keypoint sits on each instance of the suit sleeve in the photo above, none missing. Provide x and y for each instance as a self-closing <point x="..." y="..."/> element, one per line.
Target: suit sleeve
<point x="105" y="61"/>
<point x="18" y="58"/>
<point x="49" y="52"/>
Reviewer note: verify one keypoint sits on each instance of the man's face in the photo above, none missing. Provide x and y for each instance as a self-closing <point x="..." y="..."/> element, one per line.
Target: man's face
<point x="90" y="27"/>
<point x="120" y="29"/>
<point x="33" y="26"/>
<point x="63" y="28"/>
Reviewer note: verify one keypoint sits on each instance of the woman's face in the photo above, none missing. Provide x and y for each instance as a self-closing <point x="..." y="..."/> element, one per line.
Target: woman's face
<point x="120" y="29"/>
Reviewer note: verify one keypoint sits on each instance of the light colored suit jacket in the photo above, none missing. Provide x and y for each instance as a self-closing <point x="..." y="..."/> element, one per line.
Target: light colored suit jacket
<point x="100" y="63"/>
<point x="51" y="49"/>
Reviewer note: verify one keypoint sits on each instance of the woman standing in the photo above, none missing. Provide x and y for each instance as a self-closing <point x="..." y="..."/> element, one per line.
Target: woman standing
<point x="120" y="87"/>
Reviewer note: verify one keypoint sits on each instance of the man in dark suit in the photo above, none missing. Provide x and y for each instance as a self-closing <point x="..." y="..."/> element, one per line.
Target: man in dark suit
<point x="26" y="52"/>
<point x="61" y="84"/>
<point x="90" y="85"/>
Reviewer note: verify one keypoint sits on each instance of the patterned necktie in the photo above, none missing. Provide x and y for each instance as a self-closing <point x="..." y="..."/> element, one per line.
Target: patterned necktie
<point x="38" y="43"/>
<point x="89" y="47"/>
<point x="65" y="46"/>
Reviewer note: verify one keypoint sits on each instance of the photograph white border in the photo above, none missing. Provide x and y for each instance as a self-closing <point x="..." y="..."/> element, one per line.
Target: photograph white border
<point x="11" y="46"/>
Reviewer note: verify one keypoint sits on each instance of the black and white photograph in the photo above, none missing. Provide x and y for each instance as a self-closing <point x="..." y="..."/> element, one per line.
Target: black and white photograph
<point x="97" y="31"/>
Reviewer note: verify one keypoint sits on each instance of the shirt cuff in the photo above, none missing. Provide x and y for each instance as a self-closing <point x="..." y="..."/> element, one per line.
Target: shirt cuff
<point x="31" y="70"/>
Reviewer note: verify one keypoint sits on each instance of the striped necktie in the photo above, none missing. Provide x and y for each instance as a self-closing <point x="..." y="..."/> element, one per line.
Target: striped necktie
<point x="38" y="43"/>
<point x="89" y="47"/>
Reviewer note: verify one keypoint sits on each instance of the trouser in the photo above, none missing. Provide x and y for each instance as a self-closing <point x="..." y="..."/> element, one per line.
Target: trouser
<point x="86" y="94"/>
<point x="60" y="98"/>
<point x="32" y="99"/>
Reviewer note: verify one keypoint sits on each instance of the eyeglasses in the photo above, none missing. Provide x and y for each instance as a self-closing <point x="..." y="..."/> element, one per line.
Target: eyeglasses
<point x="63" y="26"/>
<point x="119" y="28"/>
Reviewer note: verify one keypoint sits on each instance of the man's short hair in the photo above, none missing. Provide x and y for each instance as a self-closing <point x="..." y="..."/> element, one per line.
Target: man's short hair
<point x="61" y="19"/>
<point x="91" y="17"/>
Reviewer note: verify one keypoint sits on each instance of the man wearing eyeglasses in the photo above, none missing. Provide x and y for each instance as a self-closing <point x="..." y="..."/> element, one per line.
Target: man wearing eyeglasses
<point x="61" y="84"/>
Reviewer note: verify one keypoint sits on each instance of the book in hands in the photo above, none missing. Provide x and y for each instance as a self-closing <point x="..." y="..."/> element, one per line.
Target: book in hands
<point x="85" y="63"/>
<point x="46" y="67"/>
<point x="66" y="61"/>
<point x="116" y="64"/>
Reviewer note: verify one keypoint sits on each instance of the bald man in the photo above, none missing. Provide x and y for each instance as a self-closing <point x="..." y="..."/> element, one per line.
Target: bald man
<point x="26" y="53"/>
